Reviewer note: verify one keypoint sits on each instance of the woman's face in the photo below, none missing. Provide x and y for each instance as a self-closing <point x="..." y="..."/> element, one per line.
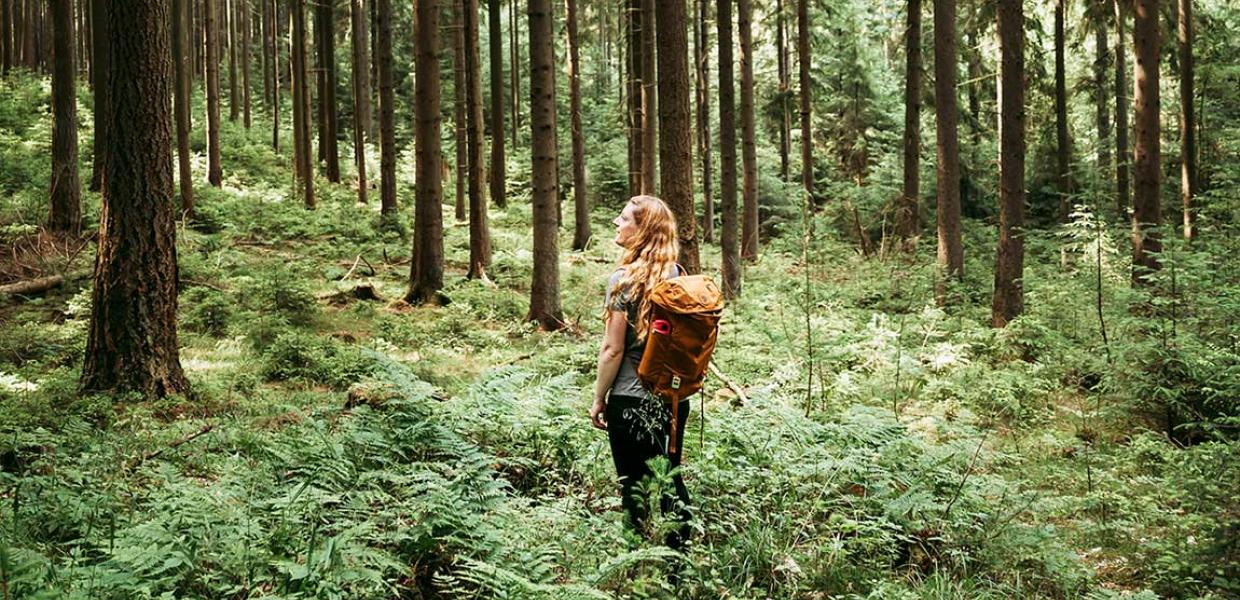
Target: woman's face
<point x="626" y="226"/>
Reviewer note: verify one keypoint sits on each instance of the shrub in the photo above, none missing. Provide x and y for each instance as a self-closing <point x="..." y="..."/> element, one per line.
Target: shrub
<point x="283" y="292"/>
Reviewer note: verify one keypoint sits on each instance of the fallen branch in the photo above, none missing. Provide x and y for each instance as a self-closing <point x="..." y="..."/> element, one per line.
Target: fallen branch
<point x="174" y="445"/>
<point x="740" y="392"/>
<point x="32" y="286"/>
<point x="959" y="488"/>
<point x="358" y="260"/>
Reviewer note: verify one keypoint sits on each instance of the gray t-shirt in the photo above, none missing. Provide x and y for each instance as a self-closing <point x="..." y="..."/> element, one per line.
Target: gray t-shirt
<point x="626" y="382"/>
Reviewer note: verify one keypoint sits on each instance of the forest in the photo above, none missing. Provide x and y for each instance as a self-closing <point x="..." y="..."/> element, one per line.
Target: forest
<point x="303" y="298"/>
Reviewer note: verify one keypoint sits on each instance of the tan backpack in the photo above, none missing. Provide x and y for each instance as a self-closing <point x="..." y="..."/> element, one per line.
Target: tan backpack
<point x="684" y="326"/>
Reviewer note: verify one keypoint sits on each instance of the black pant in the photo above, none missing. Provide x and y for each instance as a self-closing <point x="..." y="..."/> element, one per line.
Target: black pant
<point x="638" y="431"/>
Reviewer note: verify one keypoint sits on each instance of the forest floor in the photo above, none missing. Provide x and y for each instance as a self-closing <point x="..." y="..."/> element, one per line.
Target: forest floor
<point x="338" y="445"/>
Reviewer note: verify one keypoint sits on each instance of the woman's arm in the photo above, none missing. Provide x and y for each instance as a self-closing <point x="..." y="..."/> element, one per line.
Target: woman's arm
<point x="609" y="356"/>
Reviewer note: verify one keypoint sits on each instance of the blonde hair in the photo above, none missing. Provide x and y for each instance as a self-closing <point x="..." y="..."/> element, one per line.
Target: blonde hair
<point x="649" y="257"/>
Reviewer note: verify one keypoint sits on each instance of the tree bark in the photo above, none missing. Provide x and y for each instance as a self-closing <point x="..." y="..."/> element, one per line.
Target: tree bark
<point x="458" y="113"/>
<point x="1063" y="144"/>
<point x="214" y="171"/>
<point x="728" y="246"/>
<point x="908" y="215"/>
<point x="301" y="103"/>
<point x="782" y="64"/>
<point x="103" y="64"/>
<point x="650" y="100"/>
<point x="275" y="74"/>
<point x="325" y="15"/>
<point x="633" y="83"/>
<point x="1009" y="295"/>
<point x="1122" y="151"/>
<point x="1102" y="98"/>
<point x="361" y="91"/>
<point x="545" y="285"/>
<point x="479" y="233"/>
<point x="514" y="70"/>
<point x="132" y="339"/>
<point x="1147" y="174"/>
<point x="65" y="214"/>
<point x="6" y="38"/>
<point x="234" y="102"/>
<point x="581" y="229"/>
<point x="180" y="82"/>
<point x="264" y="27"/>
<point x="1188" y="137"/>
<point x="676" y="127"/>
<point x="702" y="64"/>
<point x="807" y="138"/>
<point x="426" y="271"/>
<point x="499" y="183"/>
<point x="245" y="62"/>
<point x="947" y="117"/>
<point x="749" y="153"/>
<point x="387" y="99"/>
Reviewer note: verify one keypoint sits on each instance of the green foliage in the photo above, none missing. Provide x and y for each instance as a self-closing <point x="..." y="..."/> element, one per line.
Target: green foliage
<point x="206" y="311"/>
<point x="285" y="293"/>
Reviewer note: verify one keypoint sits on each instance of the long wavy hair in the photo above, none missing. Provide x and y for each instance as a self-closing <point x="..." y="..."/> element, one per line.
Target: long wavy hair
<point x="649" y="257"/>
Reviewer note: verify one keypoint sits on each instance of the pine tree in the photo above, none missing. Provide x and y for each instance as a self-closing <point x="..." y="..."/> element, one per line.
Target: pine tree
<point x="132" y="337"/>
<point x="581" y="229"/>
<point x="66" y="204"/>
<point x="676" y="127"/>
<point x="1146" y="161"/>
<point x="361" y="91"/>
<point x="545" y="285"/>
<point x="951" y="247"/>
<point x="749" y="153"/>
<point x="728" y="245"/>
<point x="426" y="271"/>
<point x="908" y="215"/>
<point x="1009" y="296"/>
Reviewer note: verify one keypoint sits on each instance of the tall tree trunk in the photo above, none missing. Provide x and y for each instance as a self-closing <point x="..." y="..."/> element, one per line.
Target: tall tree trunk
<point x="214" y="170"/>
<point x="1009" y="296"/>
<point x="426" y="271"/>
<point x="325" y="16"/>
<point x="374" y="68"/>
<point x="264" y="27"/>
<point x="1188" y="137"/>
<point x="132" y="338"/>
<point x="103" y="64"/>
<point x="1146" y="159"/>
<point x="245" y="61"/>
<point x="908" y="215"/>
<point x="650" y="100"/>
<point x="633" y="83"/>
<point x="728" y="246"/>
<point x="301" y="103"/>
<point x="545" y="284"/>
<point x="6" y="38"/>
<point x="749" y="153"/>
<point x="676" y="127"/>
<point x="180" y="82"/>
<point x="785" y="121"/>
<point x="581" y="229"/>
<point x="951" y="254"/>
<point x="234" y="102"/>
<point x="458" y="109"/>
<point x="514" y="70"/>
<point x="276" y="20"/>
<point x="1101" y="62"/>
<point x="499" y="182"/>
<point x="1122" y="151"/>
<point x="30" y="37"/>
<point x="479" y="230"/>
<point x="387" y="99"/>
<point x="807" y="137"/>
<point x="66" y="203"/>
<point x="702" y="64"/>
<point x="1063" y="145"/>
<point x="79" y="35"/>
<point x="947" y="117"/>
<point x="361" y="91"/>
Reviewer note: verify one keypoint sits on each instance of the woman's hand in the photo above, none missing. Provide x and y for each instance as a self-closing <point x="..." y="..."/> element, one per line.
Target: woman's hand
<point x="598" y="414"/>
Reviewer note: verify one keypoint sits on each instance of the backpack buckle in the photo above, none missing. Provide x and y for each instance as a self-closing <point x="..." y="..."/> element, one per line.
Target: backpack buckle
<point x="675" y="382"/>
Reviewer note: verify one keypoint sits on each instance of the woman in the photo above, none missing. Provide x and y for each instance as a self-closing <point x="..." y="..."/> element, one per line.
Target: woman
<point x="637" y="423"/>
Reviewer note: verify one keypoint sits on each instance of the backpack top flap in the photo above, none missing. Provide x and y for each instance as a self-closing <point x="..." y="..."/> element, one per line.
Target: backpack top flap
<point x="688" y="294"/>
